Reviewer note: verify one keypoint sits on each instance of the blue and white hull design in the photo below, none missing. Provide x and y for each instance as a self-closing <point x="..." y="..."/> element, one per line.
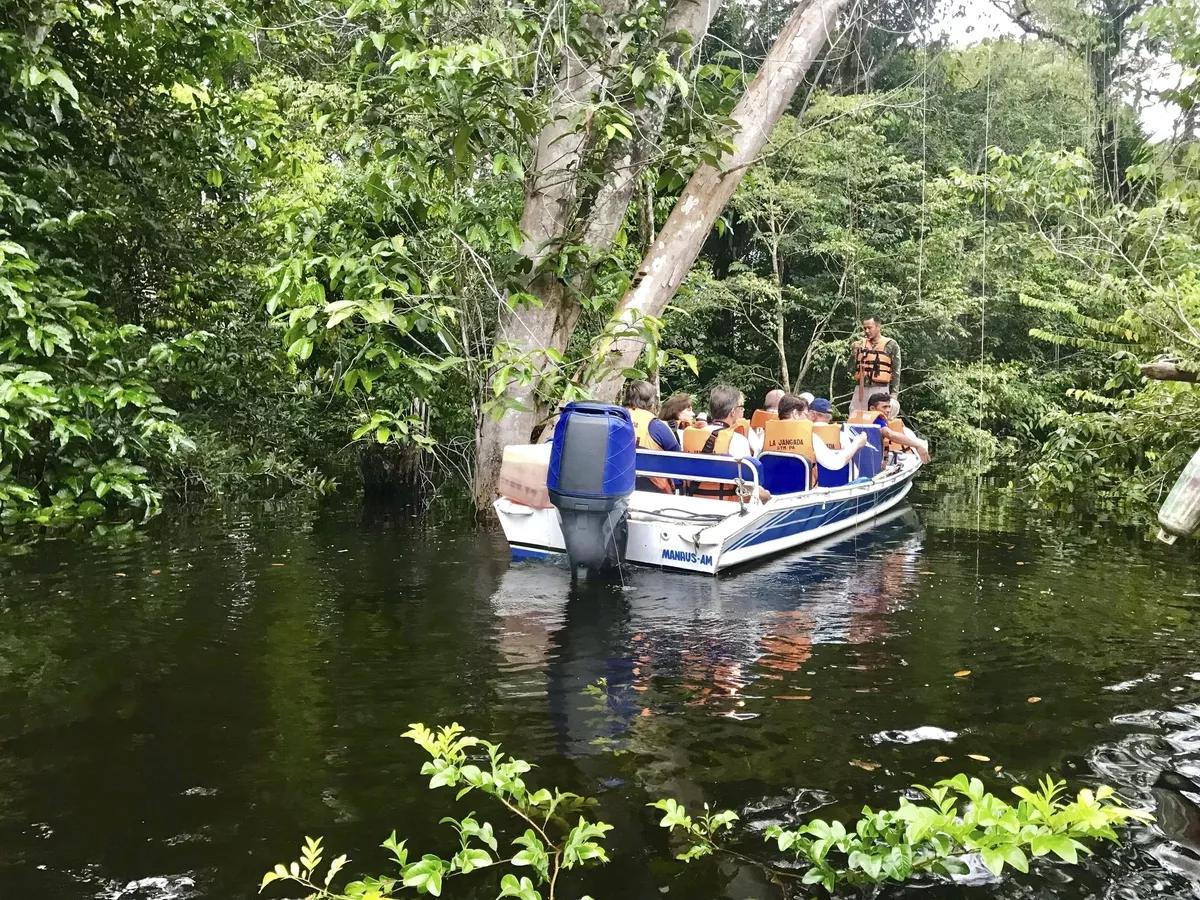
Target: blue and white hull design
<point x="696" y="534"/>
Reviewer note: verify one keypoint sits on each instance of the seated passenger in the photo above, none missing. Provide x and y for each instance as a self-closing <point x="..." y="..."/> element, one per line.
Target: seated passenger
<point x="820" y="442"/>
<point x="895" y="435"/>
<point x="677" y="412"/>
<point x="760" y="418"/>
<point x="725" y="408"/>
<point x="820" y="411"/>
<point x="652" y="432"/>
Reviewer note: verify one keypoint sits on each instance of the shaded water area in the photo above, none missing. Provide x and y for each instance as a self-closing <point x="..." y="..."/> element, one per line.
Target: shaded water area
<point x="177" y="711"/>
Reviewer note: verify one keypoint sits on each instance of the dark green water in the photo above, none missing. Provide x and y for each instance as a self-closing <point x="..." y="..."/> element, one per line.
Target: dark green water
<point x="176" y="713"/>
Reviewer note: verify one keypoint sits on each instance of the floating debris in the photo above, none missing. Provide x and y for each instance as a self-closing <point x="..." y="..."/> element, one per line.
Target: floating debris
<point x="914" y="735"/>
<point x="979" y="757"/>
<point x="962" y="673"/>
<point x="865" y="766"/>
<point x="1132" y="683"/>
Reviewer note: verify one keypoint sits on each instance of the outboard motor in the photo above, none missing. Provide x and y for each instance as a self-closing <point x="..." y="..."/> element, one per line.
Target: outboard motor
<point x="593" y="462"/>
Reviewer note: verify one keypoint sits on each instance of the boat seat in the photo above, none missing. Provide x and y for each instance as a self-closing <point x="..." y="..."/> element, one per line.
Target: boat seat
<point x="785" y="473"/>
<point x="869" y="460"/>
<point x="827" y="478"/>
<point x="694" y="466"/>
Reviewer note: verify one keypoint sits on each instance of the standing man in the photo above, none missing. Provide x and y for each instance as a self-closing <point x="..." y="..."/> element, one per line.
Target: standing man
<point x="875" y="362"/>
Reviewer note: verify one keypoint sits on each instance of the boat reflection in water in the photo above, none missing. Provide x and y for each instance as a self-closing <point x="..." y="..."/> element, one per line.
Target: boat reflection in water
<point x="593" y="648"/>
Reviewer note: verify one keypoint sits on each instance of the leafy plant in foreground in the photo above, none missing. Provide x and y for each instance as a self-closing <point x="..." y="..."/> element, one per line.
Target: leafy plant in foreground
<point x="960" y="820"/>
<point x="548" y="845"/>
<point x="916" y="838"/>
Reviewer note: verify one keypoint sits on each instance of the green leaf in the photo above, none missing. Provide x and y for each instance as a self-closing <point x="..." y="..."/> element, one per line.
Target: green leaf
<point x="59" y="77"/>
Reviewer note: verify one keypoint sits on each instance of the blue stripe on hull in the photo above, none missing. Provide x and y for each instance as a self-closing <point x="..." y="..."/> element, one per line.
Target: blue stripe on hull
<point x="524" y="553"/>
<point x="809" y="518"/>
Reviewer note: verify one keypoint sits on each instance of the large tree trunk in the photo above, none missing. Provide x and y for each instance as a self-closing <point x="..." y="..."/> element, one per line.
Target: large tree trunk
<point x="662" y="271"/>
<point x="552" y="213"/>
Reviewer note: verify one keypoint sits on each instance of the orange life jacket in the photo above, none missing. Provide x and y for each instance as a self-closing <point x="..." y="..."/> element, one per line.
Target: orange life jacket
<point x="829" y="433"/>
<point x="742" y="427"/>
<point x="761" y="417"/>
<point x="867" y="417"/>
<point x="714" y="441"/>
<point x="892" y="446"/>
<point x="874" y="362"/>
<point x="791" y="436"/>
<point x="641" y="428"/>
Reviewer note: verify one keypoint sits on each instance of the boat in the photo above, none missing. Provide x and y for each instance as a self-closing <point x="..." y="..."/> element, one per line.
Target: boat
<point x="598" y="519"/>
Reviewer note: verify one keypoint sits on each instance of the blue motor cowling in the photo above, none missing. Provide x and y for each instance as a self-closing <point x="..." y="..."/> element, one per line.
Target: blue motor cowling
<point x="593" y="462"/>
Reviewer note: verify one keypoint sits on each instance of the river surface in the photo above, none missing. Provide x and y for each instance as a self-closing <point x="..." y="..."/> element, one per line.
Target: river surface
<point x="179" y="708"/>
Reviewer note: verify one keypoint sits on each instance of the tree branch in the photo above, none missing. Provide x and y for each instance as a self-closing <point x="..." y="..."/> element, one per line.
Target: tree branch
<point x="1165" y="370"/>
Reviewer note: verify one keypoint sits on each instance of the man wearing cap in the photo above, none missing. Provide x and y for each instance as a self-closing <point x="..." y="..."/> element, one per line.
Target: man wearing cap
<point x="820" y="411"/>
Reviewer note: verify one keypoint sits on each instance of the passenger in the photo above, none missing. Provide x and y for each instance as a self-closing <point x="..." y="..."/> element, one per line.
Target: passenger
<point x="677" y="412"/>
<point x="820" y="442"/>
<point x="761" y="417"/>
<point x="652" y="432"/>
<point x="806" y="397"/>
<point x="893" y="430"/>
<point x="820" y="411"/>
<point x="725" y="408"/>
<point x="701" y="420"/>
<point x="793" y="407"/>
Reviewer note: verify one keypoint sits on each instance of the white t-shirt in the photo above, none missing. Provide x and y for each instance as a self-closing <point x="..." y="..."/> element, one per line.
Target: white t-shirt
<point x="739" y="446"/>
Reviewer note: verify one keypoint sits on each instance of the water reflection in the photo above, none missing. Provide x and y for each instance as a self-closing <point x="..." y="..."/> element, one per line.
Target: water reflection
<point x="623" y="646"/>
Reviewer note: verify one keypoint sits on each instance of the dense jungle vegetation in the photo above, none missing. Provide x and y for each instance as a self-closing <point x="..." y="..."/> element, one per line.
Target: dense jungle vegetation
<point x="247" y="247"/>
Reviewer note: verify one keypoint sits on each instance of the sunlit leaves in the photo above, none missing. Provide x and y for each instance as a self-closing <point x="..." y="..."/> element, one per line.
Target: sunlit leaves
<point x="962" y="818"/>
<point x="549" y="843"/>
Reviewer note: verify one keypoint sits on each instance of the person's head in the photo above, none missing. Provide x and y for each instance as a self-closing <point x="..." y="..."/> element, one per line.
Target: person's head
<point x="792" y="407"/>
<point x="880" y="402"/>
<point x="701" y="418"/>
<point x="871" y="327"/>
<point x="820" y="411"/>
<point x="725" y="404"/>
<point x="772" y="401"/>
<point x="677" y="408"/>
<point x="806" y="397"/>
<point x="641" y="395"/>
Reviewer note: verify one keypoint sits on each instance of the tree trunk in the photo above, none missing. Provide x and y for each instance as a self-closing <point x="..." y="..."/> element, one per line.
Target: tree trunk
<point x="1164" y="370"/>
<point x="682" y="236"/>
<point x="552" y="211"/>
<point x="780" y="336"/>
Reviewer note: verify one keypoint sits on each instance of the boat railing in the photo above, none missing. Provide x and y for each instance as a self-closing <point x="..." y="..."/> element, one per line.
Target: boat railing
<point x="698" y="467"/>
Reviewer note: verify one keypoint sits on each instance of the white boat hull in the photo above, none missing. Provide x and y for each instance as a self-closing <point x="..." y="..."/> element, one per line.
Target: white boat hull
<point x="695" y="534"/>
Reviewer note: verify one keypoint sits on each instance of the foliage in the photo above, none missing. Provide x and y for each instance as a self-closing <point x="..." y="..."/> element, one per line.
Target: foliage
<point x="79" y="416"/>
<point x="961" y="819"/>
<point x="549" y="845"/>
<point x="1133" y="296"/>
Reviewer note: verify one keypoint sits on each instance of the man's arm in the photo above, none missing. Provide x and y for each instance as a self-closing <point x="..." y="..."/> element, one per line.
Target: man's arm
<point x="902" y="439"/>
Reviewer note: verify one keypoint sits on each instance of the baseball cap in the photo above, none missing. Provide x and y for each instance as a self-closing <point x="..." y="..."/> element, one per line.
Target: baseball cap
<point x="821" y="405"/>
